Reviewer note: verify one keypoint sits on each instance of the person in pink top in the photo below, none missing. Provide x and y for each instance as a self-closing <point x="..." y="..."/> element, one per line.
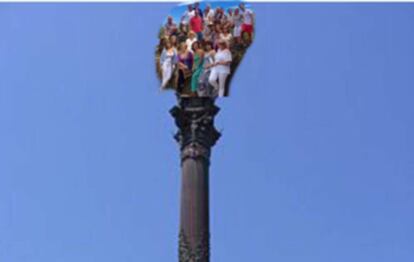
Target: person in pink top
<point x="196" y="25"/>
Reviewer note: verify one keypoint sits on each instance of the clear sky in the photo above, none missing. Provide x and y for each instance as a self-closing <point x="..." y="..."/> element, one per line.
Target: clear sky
<point x="315" y="163"/>
<point x="178" y="11"/>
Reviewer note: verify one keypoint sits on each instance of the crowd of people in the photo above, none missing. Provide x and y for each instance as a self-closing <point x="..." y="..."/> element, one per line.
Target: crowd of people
<point x="198" y="56"/>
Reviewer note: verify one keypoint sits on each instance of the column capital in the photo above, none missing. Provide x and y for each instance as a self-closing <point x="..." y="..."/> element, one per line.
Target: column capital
<point x="194" y="117"/>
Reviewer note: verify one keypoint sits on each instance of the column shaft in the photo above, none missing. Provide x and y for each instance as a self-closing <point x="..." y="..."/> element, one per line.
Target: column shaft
<point x="196" y="135"/>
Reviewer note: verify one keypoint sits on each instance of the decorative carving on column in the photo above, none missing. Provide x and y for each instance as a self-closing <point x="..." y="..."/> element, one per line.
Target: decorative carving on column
<point x="196" y="133"/>
<point x="200" y="253"/>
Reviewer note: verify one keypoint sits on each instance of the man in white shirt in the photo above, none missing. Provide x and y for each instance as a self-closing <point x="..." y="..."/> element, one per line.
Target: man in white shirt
<point x="208" y="15"/>
<point x="188" y="14"/>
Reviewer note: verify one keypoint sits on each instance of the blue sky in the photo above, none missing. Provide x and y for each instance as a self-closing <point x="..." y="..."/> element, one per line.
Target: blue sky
<point x="178" y="11"/>
<point x="315" y="162"/>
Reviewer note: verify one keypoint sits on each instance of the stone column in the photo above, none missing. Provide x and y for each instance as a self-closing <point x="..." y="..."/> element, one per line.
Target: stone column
<point x="196" y="135"/>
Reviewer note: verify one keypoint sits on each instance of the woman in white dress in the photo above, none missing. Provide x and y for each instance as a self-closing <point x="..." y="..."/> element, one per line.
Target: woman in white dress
<point x="168" y="61"/>
<point x="221" y="68"/>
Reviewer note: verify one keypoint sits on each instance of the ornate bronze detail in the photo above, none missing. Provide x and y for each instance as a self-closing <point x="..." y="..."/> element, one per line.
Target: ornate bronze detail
<point x="195" y="150"/>
<point x="199" y="253"/>
<point x="196" y="134"/>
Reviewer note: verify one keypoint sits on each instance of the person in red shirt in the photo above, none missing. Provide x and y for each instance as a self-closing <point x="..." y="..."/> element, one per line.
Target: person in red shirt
<point x="196" y="25"/>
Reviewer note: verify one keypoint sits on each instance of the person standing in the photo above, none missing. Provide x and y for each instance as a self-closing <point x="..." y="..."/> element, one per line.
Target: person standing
<point x="196" y="25"/>
<point x="208" y="32"/>
<point x="197" y="65"/>
<point x="208" y="15"/>
<point x="170" y="27"/>
<point x="221" y="68"/>
<point x="173" y="40"/>
<point x="229" y="18"/>
<point x="215" y="36"/>
<point x="182" y="33"/>
<point x="168" y="61"/>
<point x="190" y="40"/>
<point x="219" y="16"/>
<point x="204" y="88"/>
<point x="197" y="8"/>
<point x="188" y="14"/>
<point x="226" y="36"/>
<point x="237" y="21"/>
<point x="185" y="64"/>
<point x="248" y="20"/>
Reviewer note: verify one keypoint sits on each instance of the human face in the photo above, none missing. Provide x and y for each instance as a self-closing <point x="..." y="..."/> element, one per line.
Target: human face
<point x="173" y="39"/>
<point x="208" y="47"/>
<point x="183" y="47"/>
<point x="196" y="46"/>
<point x="222" y="45"/>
